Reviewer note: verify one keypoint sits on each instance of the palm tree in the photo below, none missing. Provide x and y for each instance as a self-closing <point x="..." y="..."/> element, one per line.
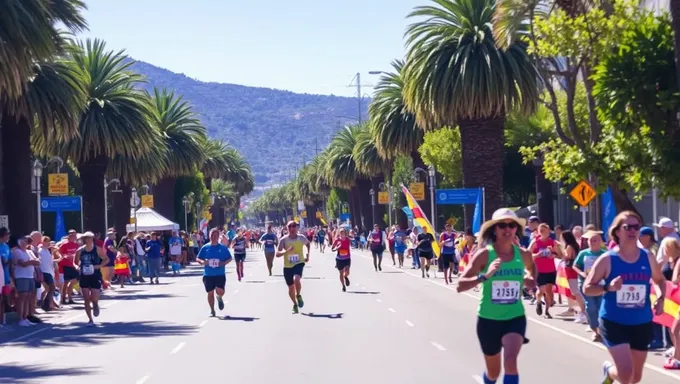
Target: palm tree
<point x="371" y="163"/>
<point x="226" y="198"/>
<point x="182" y="134"/>
<point x="456" y="75"/>
<point x="117" y="121"/>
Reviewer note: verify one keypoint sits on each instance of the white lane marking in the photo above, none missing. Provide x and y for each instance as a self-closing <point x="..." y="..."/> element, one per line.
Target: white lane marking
<point x="410" y="324"/>
<point x="236" y="291"/>
<point x="438" y="346"/>
<point x="477" y="379"/>
<point x="178" y="348"/>
<point x="543" y="324"/>
<point x="204" y="322"/>
<point x="378" y="300"/>
<point x="364" y="288"/>
<point x="143" y="379"/>
<point x="391" y="310"/>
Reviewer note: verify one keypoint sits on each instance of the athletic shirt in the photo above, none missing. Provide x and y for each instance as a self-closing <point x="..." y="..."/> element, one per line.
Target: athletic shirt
<point x="321" y="235"/>
<point x="343" y="249"/>
<point x="268" y="239"/>
<point x="376" y="240"/>
<point x="630" y="305"/>
<point x="296" y="255"/>
<point x="240" y="245"/>
<point x="501" y="293"/>
<point x="88" y="259"/>
<point x="544" y="264"/>
<point x="448" y="239"/>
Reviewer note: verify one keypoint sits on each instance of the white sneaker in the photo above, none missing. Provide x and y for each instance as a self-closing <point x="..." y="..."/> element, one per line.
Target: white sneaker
<point x="25" y="323"/>
<point x="580" y="319"/>
<point x="669" y="352"/>
<point x="588" y="329"/>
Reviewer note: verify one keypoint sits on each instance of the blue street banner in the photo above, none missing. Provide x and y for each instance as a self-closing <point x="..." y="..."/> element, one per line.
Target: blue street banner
<point x="59" y="205"/>
<point x="477" y="215"/>
<point x="459" y="196"/>
<point x="608" y="211"/>
<point x="344" y="216"/>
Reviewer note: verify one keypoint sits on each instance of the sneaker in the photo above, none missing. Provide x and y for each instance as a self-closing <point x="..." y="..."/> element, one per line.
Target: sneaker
<point x="157" y="281"/>
<point x="568" y="313"/>
<point x="212" y="313"/>
<point x="346" y="281"/>
<point x="580" y="319"/>
<point x="220" y="303"/>
<point x="672" y="364"/>
<point x="300" y="302"/>
<point x="95" y="309"/>
<point x="539" y="308"/>
<point x="669" y="352"/>
<point x="344" y="289"/>
<point x="25" y="323"/>
<point x="295" y="309"/>
<point x="33" y="319"/>
<point x="605" y="373"/>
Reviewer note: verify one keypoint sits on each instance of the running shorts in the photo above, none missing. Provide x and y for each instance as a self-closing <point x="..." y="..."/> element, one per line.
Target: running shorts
<point x="490" y="333"/>
<point x="212" y="282"/>
<point x="546" y="278"/>
<point x="341" y="264"/>
<point x="70" y="273"/>
<point x="239" y="256"/>
<point x="637" y="336"/>
<point x="425" y="255"/>
<point x="447" y="259"/>
<point x="93" y="281"/>
<point x="289" y="273"/>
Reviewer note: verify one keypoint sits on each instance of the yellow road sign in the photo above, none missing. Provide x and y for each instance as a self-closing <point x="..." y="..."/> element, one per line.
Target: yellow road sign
<point x="383" y="198"/>
<point x="57" y="184"/>
<point x="417" y="190"/>
<point x="451" y="221"/>
<point x="147" y="201"/>
<point x="303" y="214"/>
<point x="318" y="214"/>
<point x="583" y="193"/>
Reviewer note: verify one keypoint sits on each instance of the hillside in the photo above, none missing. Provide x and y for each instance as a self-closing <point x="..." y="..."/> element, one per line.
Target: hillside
<point x="273" y="129"/>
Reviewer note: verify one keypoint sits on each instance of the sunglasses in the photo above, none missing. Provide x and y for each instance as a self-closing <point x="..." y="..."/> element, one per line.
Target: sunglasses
<point x="631" y="227"/>
<point x="511" y="225"/>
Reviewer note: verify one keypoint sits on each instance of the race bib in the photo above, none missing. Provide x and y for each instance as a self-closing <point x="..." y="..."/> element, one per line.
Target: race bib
<point x="545" y="252"/>
<point x="376" y="240"/>
<point x="448" y="244"/>
<point x="88" y="269"/>
<point x="213" y="263"/>
<point x="270" y="242"/>
<point x="176" y="249"/>
<point x="293" y="259"/>
<point x="505" y="292"/>
<point x="631" y="296"/>
<point x="588" y="263"/>
<point x="343" y="252"/>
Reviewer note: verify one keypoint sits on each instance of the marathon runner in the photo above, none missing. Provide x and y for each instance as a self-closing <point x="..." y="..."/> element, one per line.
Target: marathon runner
<point x="90" y="259"/>
<point x="240" y="244"/>
<point x="321" y="239"/>
<point x="425" y="251"/>
<point x="270" y="242"/>
<point x="214" y="257"/>
<point x="398" y="237"/>
<point x="446" y="243"/>
<point x="291" y="248"/>
<point x="500" y="268"/>
<point x="622" y="276"/>
<point x="343" y="260"/>
<point x="377" y="244"/>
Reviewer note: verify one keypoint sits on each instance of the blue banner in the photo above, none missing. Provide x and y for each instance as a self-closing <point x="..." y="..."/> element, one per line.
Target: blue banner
<point x="59" y="227"/>
<point x="477" y="215"/>
<point x="459" y="196"/>
<point x="344" y="216"/>
<point x="56" y="204"/>
<point x="608" y="211"/>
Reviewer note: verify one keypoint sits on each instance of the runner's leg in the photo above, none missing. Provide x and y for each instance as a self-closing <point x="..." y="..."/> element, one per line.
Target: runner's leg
<point x="87" y="300"/>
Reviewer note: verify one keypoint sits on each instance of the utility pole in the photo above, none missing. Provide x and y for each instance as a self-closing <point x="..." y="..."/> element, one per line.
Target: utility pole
<point x="316" y="144"/>
<point x="357" y="77"/>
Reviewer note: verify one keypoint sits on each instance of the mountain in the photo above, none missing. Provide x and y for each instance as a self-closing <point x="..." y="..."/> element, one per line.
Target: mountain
<point x="274" y="130"/>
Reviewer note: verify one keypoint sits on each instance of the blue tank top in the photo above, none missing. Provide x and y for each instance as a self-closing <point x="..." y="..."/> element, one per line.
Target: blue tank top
<point x="631" y="304"/>
<point x="448" y="240"/>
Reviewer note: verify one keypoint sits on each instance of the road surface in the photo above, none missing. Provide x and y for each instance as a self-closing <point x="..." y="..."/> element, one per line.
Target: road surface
<point x="391" y="327"/>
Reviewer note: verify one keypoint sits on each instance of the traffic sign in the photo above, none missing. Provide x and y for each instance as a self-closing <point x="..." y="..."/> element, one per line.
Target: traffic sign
<point x="318" y="214"/>
<point x="451" y="221"/>
<point x="147" y="201"/>
<point x="303" y="214"/>
<point x="57" y="184"/>
<point x="583" y="193"/>
<point x="417" y="190"/>
<point x="383" y="198"/>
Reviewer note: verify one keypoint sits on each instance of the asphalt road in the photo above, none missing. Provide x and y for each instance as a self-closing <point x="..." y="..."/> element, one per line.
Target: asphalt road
<point x="391" y="327"/>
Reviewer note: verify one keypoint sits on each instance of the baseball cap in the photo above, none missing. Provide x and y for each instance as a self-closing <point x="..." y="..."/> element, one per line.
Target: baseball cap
<point x="665" y="222"/>
<point x="534" y="218"/>
<point x="646" y="231"/>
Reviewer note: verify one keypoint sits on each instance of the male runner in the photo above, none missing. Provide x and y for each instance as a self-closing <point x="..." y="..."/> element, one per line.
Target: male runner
<point x="214" y="257"/>
<point x="321" y="239"/>
<point x="448" y="253"/>
<point x="270" y="241"/>
<point x="291" y="248"/>
<point x="90" y="260"/>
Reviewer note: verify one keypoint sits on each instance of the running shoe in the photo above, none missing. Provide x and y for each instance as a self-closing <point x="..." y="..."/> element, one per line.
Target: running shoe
<point x="220" y="303"/>
<point x="672" y="364"/>
<point x="346" y="281"/>
<point x="95" y="309"/>
<point x="605" y="373"/>
<point x="539" y="308"/>
<point x="300" y="302"/>
<point x="212" y="313"/>
<point x="295" y="309"/>
<point x="669" y="352"/>
<point x="344" y="289"/>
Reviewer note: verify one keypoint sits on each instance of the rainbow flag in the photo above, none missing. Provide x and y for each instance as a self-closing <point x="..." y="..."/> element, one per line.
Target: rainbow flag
<point x="670" y="305"/>
<point x="419" y="217"/>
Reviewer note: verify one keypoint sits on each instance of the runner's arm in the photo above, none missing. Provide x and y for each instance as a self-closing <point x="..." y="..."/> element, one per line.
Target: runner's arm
<point x="529" y="264"/>
<point x="532" y="249"/>
<point x="201" y="257"/>
<point x="103" y="256"/>
<point x="76" y="259"/>
<point x="227" y="260"/>
<point x="471" y="277"/>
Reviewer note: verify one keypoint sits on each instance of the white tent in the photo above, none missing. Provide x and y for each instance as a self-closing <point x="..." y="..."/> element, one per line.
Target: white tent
<point x="149" y="220"/>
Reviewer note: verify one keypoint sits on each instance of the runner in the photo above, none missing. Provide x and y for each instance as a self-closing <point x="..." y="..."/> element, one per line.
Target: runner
<point x="425" y="252"/>
<point x="214" y="257"/>
<point x="390" y="244"/>
<point x="377" y="244"/>
<point x="399" y="239"/>
<point x="500" y="269"/>
<point x="626" y="312"/>
<point x="321" y="239"/>
<point x="343" y="260"/>
<point x="270" y="242"/>
<point x="544" y="250"/>
<point x="449" y="262"/>
<point x="291" y="248"/>
<point x="240" y="243"/>
<point x="90" y="260"/>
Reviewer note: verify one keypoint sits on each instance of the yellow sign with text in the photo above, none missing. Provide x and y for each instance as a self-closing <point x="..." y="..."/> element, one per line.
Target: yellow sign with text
<point x="57" y="184"/>
<point x="417" y="190"/>
<point x="147" y="201"/>
<point x="383" y="198"/>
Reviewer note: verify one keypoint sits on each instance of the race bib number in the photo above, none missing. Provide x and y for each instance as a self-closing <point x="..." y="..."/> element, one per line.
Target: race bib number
<point x="293" y="259"/>
<point x="588" y="264"/>
<point x="213" y="263"/>
<point x="343" y="252"/>
<point x="448" y="244"/>
<point x="631" y="296"/>
<point x="376" y="240"/>
<point x="176" y="249"/>
<point x="270" y="242"/>
<point x="545" y="252"/>
<point x="505" y="292"/>
<point x="88" y="269"/>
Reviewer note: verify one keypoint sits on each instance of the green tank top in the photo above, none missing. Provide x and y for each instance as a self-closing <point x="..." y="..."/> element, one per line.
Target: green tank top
<point x="502" y="293"/>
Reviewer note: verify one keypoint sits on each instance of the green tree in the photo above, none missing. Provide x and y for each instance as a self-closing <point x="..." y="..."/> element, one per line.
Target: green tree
<point x="441" y="149"/>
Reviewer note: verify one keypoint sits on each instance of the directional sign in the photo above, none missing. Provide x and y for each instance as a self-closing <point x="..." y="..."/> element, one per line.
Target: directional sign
<point x="460" y="196"/>
<point x="303" y="214"/>
<point x="583" y="193"/>
<point x="54" y="204"/>
<point x="319" y="214"/>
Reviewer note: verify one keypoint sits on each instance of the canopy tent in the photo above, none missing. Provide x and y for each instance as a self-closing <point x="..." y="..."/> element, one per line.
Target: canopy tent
<point x="150" y="220"/>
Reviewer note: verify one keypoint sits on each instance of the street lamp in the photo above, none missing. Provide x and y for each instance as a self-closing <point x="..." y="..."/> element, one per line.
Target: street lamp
<point x="538" y="164"/>
<point x="37" y="174"/>
<point x="106" y="201"/>
<point x="186" y="201"/>
<point x="433" y="180"/>
<point x="386" y="188"/>
<point x="372" y="193"/>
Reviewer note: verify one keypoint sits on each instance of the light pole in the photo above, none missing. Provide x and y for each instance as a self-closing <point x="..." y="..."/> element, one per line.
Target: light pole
<point x="433" y="175"/>
<point x="106" y="200"/>
<point x="198" y="216"/>
<point x="37" y="174"/>
<point x="385" y="188"/>
<point x="344" y="207"/>
<point x="186" y="202"/>
<point x="134" y="202"/>
<point x="372" y="193"/>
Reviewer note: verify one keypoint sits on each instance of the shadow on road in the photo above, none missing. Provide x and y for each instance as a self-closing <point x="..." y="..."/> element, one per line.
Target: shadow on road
<point x="314" y="278"/>
<point x="141" y="296"/>
<point x="240" y="318"/>
<point x="255" y="281"/>
<point x="77" y="334"/>
<point x="392" y="272"/>
<point x="14" y="373"/>
<point x="324" y="315"/>
<point x="364" y="292"/>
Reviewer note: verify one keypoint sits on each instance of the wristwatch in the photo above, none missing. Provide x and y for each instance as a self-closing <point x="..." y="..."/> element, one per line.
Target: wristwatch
<point x="481" y="278"/>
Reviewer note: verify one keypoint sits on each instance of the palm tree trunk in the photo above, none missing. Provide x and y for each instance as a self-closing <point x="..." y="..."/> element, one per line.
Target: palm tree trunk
<point x="482" y="145"/>
<point x="364" y="200"/>
<point x="545" y="204"/>
<point x="164" y="197"/>
<point x="121" y="208"/>
<point x="20" y="203"/>
<point x="92" y="173"/>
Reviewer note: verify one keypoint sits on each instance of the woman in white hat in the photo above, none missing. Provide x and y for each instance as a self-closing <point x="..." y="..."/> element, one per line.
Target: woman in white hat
<point x="499" y="266"/>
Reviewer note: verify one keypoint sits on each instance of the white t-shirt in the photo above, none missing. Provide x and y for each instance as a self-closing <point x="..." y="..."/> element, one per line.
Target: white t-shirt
<point x="414" y="240"/>
<point x="661" y="256"/>
<point x="19" y="271"/>
<point x="46" y="261"/>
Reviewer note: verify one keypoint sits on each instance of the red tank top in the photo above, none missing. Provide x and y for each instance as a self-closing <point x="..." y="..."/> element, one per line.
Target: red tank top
<point x="544" y="264"/>
<point x="343" y="249"/>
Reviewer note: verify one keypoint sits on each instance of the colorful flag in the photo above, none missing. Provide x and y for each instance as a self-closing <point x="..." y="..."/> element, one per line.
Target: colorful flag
<point x="562" y="286"/>
<point x="477" y="215"/>
<point x="670" y="305"/>
<point x="419" y="217"/>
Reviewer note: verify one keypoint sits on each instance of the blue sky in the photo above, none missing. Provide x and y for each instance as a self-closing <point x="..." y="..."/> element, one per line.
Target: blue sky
<point x="313" y="46"/>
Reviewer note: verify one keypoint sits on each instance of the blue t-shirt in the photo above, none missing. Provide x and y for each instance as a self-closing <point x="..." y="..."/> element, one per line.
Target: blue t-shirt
<point x="154" y="249"/>
<point x="231" y="234"/>
<point x="109" y="254"/>
<point x="5" y="257"/>
<point x="268" y="239"/>
<point x="215" y="254"/>
<point x="399" y="242"/>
